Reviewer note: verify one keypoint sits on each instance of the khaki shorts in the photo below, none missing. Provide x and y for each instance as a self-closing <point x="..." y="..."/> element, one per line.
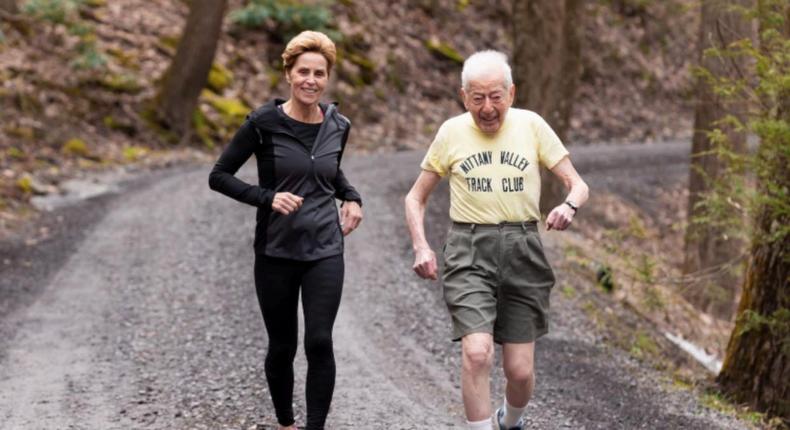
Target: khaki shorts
<point x="497" y="280"/>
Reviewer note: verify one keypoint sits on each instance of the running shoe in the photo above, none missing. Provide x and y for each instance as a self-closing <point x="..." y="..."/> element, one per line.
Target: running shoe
<point x="500" y="413"/>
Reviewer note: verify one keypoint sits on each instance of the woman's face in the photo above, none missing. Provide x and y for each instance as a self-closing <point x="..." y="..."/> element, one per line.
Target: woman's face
<point x="308" y="78"/>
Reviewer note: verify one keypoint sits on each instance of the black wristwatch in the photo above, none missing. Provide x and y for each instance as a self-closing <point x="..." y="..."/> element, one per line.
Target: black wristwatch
<point x="572" y="205"/>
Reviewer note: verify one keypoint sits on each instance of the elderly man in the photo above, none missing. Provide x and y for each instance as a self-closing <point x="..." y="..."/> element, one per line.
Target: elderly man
<point x="496" y="277"/>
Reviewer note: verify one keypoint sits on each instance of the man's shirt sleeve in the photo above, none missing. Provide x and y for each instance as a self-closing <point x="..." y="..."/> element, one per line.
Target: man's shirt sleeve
<point x="550" y="149"/>
<point x="436" y="158"/>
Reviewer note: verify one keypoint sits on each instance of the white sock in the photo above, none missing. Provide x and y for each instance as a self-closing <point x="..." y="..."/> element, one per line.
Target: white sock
<point x="512" y="414"/>
<point x="480" y="425"/>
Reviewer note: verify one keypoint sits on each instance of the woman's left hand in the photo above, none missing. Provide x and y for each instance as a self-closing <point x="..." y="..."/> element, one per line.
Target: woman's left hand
<point x="350" y="217"/>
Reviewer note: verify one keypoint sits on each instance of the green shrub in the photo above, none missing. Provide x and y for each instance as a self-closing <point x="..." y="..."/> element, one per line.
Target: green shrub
<point x="66" y="13"/>
<point x="763" y="89"/>
<point x="288" y="16"/>
<point x="54" y="11"/>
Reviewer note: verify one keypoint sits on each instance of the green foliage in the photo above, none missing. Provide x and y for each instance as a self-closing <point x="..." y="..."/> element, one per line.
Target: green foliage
<point x="605" y="277"/>
<point x="66" y="13"/>
<point x="54" y="11"/>
<point x="643" y="345"/>
<point x="713" y="399"/>
<point x="764" y="89"/>
<point x="288" y="17"/>
<point x="717" y="401"/>
<point x="778" y="324"/>
<point x="645" y="267"/>
<point x="89" y="56"/>
<point x="641" y="266"/>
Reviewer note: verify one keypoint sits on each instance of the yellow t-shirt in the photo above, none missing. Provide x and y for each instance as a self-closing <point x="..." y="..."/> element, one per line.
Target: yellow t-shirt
<point x="494" y="178"/>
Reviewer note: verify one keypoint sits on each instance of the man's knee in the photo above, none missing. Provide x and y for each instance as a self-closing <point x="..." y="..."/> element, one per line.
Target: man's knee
<point x="478" y="354"/>
<point x="522" y="372"/>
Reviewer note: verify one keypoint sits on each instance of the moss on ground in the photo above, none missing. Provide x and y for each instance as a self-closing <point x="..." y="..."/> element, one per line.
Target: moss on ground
<point x="75" y="147"/>
<point x="444" y="50"/>
<point x="219" y="78"/>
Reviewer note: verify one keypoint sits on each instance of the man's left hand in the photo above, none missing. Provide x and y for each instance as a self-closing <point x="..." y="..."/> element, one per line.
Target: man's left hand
<point x="350" y="217"/>
<point x="560" y="217"/>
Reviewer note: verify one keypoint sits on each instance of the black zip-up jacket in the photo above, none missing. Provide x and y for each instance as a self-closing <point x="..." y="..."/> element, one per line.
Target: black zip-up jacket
<point x="286" y="165"/>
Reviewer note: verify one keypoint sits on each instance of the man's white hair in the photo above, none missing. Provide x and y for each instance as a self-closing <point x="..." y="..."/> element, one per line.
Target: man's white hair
<point x="483" y="64"/>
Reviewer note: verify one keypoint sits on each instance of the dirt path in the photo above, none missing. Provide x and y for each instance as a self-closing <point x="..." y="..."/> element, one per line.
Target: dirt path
<point x="149" y="320"/>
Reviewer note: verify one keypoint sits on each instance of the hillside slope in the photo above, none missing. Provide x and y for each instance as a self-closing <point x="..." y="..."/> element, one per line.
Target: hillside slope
<point x="57" y="120"/>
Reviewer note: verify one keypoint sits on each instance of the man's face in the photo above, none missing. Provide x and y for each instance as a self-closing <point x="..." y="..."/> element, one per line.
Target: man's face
<point x="488" y="101"/>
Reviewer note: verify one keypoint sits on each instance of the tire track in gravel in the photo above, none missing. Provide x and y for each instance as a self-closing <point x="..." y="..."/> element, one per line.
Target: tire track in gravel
<point x="152" y="323"/>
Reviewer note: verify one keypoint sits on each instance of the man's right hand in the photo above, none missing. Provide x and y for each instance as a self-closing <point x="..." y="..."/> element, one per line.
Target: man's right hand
<point x="286" y="203"/>
<point x="425" y="263"/>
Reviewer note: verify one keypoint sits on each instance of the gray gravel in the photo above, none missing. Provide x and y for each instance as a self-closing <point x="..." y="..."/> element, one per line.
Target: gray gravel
<point x="148" y="320"/>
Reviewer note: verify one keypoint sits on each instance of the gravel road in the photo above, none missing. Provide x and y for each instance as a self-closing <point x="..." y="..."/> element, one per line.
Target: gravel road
<point x="139" y="312"/>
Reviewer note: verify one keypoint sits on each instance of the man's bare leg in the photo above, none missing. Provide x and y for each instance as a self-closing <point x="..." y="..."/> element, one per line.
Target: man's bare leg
<point x="478" y="357"/>
<point x="518" y="362"/>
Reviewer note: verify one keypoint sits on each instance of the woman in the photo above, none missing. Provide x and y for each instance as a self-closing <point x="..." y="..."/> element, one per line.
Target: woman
<point x="298" y="144"/>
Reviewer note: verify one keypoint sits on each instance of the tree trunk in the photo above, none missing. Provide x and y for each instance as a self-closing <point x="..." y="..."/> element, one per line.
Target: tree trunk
<point x="757" y="364"/>
<point x="188" y="73"/>
<point x="709" y="247"/>
<point x="9" y="6"/>
<point x="547" y="67"/>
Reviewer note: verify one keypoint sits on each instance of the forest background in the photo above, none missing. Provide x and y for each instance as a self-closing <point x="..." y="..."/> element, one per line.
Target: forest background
<point x="90" y="86"/>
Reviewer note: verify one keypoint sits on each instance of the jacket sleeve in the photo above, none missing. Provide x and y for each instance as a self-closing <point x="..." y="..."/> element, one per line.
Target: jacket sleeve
<point x="222" y="178"/>
<point x="343" y="189"/>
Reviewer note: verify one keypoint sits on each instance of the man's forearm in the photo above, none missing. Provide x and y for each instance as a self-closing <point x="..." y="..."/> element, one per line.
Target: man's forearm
<point x="579" y="193"/>
<point x="415" y="217"/>
<point x="578" y="190"/>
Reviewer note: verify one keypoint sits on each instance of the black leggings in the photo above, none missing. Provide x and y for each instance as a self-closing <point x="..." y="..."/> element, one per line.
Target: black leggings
<point x="277" y="283"/>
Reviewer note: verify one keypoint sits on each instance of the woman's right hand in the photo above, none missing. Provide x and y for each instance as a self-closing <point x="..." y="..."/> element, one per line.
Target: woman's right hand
<point x="286" y="203"/>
